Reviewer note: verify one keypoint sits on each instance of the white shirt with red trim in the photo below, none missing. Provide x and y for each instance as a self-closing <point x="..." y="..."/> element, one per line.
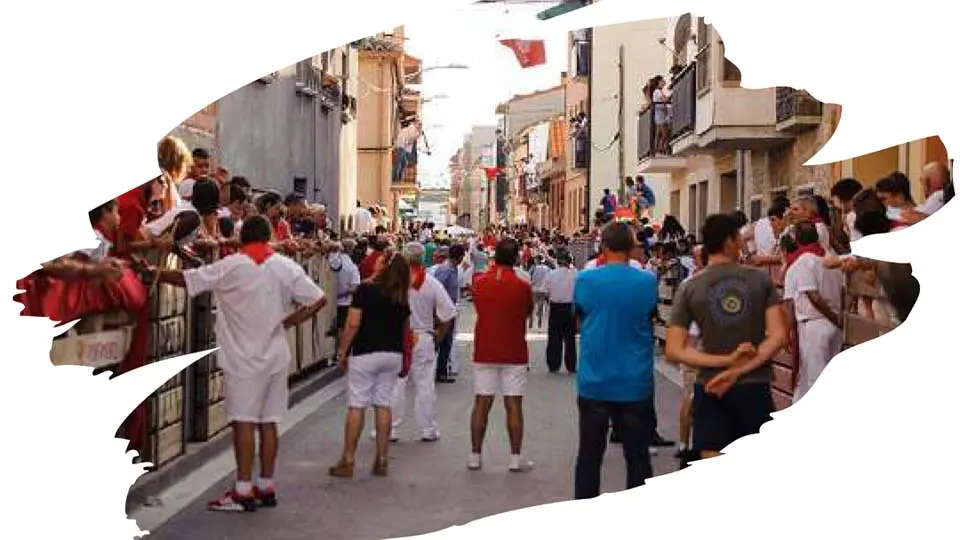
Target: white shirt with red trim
<point x="252" y="301"/>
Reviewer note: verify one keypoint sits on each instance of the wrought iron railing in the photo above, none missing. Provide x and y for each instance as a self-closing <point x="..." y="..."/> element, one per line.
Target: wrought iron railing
<point x="645" y="134"/>
<point x="581" y="151"/>
<point x="792" y="103"/>
<point x="685" y="101"/>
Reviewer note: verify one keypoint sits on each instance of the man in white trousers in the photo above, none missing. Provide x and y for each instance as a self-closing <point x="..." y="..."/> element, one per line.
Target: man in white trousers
<point x="816" y="294"/>
<point x="429" y="304"/>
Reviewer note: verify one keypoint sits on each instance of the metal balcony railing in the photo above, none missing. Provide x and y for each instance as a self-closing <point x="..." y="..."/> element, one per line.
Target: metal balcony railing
<point x="685" y="88"/>
<point x="792" y="103"/>
<point x="581" y="151"/>
<point x="645" y="134"/>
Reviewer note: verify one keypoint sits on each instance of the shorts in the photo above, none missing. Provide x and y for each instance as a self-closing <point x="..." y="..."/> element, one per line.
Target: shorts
<point x="717" y="422"/>
<point x="342" y="316"/>
<point x="372" y="379"/>
<point x="258" y="399"/>
<point x="503" y="379"/>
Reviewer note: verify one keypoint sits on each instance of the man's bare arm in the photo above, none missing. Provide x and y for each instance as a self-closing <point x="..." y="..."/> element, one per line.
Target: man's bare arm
<point x="677" y="351"/>
<point x="774" y="341"/>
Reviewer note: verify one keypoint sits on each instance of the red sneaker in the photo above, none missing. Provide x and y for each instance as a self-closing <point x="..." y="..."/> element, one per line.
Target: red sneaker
<point x="233" y="502"/>
<point x="265" y="497"/>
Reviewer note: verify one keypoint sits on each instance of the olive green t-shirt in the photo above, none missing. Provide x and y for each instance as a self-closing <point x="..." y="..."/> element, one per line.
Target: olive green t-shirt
<point x="728" y="302"/>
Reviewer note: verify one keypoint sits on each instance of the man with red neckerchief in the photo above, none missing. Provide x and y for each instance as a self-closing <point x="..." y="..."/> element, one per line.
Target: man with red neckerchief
<point x="256" y="291"/>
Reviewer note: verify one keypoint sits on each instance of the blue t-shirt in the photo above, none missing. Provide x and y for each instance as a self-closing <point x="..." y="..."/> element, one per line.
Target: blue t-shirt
<point x="615" y="304"/>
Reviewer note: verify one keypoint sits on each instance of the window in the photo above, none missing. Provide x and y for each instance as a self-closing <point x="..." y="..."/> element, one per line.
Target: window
<point x="300" y="185"/>
<point x="756" y="208"/>
<point x="345" y="69"/>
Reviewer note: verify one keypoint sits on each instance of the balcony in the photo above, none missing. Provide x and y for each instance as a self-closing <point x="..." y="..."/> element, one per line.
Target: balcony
<point x="684" y="119"/>
<point x="581" y="152"/>
<point x="580" y="59"/>
<point x="649" y="160"/>
<point x="797" y="111"/>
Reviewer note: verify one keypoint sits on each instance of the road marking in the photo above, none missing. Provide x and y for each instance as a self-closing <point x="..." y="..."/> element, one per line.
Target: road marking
<point x="186" y="491"/>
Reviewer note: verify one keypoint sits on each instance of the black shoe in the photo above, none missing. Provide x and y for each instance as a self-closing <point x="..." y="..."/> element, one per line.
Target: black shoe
<point x="659" y="441"/>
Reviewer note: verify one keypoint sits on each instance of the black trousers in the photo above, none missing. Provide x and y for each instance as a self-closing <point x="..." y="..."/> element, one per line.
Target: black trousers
<point x="632" y="421"/>
<point x="651" y="421"/>
<point x="561" y="338"/>
<point x="444" y="348"/>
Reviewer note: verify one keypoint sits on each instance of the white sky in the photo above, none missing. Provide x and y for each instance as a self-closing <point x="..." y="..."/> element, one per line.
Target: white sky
<point x="469" y="36"/>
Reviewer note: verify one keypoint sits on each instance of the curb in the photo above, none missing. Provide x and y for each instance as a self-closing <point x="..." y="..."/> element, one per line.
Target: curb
<point x="152" y="484"/>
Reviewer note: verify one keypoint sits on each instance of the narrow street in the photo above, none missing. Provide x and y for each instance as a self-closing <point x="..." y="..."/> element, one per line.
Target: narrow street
<point x="429" y="488"/>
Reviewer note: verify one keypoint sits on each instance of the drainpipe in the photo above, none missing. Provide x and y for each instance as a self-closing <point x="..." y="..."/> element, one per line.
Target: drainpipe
<point x="741" y="177"/>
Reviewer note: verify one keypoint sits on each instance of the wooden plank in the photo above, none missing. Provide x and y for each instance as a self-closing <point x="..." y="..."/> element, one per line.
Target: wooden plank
<point x="216" y="418"/>
<point x="169" y="444"/>
<point x="167" y="337"/>
<point x="858" y="329"/>
<point x="782" y="379"/>
<point x="781" y="400"/>
<point x="171" y="407"/>
<point x="96" y="350"/>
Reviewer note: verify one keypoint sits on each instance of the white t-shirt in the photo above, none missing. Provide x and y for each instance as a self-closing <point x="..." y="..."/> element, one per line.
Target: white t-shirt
<point x="823" y="232"/>
<point x="559" y="285"/>
<point x="523" y="274"/>
<point x="102" y="250"/>
<point x="159" y="225"/>
<point x="764" y="240"/>
<point x="633" y="264"/>
<point x="347" y="276"/>
<point x="252" y="301"/>
<point x="539" y="278"/>
<point x="429" y="301"/>
<point x="363" y="221"/>
<point x="807" y="274"/>
<point x="851" y="219"/>
<point x="408" y="137"/>
<point x="186" y="189"/>
<point x="932" y="204"/>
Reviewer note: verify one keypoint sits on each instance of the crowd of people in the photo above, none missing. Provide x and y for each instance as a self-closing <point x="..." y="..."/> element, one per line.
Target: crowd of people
<point x="399" y="294"/>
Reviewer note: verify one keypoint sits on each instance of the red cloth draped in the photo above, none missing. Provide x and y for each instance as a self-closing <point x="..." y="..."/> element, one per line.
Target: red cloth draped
<point x="815" y="249"/>
<point x="258" y="251"/>
<point x="68" y="300"/>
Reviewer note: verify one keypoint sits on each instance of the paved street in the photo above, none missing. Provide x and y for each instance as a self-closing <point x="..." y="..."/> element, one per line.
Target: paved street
<point x="429" y="487"/>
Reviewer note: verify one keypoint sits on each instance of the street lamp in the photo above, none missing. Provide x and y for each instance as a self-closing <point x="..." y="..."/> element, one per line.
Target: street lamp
<point x="434" y="68"/>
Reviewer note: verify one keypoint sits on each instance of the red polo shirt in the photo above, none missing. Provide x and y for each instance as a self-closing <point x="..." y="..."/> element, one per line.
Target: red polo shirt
<point x="503" y="302"/>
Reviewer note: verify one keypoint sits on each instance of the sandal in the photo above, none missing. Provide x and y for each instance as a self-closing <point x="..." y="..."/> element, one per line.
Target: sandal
<point x="342" y="470"/>
<point x="380" y="466"/>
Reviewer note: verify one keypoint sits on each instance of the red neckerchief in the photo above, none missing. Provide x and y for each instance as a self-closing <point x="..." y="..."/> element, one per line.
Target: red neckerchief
<point x="258" y="251"/>
<point x="815" y="249"/>
<point x="419" y="275"/>
<point x="601" y="260"/>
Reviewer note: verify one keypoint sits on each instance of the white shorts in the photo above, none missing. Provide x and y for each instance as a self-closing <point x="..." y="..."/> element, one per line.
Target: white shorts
<point x="259" y="399"/>
<point x="372" y="379"/>
<point x="493" y="379"/>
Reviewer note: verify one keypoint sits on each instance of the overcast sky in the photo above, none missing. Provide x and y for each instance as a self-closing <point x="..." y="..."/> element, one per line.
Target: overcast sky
<point x="470" y="37"/>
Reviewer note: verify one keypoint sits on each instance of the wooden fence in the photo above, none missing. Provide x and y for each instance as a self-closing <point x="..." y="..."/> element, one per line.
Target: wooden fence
<point x="190" y="407"/>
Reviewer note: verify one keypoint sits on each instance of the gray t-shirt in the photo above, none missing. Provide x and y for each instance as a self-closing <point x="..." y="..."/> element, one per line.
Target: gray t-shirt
<point x="728" y="303"/>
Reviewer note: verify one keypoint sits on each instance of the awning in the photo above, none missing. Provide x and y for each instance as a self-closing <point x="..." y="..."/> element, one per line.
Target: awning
<point x="560" y="9"/>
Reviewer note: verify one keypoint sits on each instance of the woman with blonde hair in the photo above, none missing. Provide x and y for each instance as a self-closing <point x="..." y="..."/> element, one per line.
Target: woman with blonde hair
<point x="374" y="337"/>
<point x="174" y="159"/>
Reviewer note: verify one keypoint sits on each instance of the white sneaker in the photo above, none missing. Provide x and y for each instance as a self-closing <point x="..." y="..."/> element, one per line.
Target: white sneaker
<point x="393" y="437"/>
<point x="474" y="463"/>
<point x="519" y="464"/>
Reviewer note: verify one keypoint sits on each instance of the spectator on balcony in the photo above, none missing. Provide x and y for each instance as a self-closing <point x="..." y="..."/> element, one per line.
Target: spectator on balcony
<point x="405" y="148"/>
<point x="815" y="294"/>
<point x="938" y="190"/>
<point x="608" y="203"/>
<point x="648" y="199"/>
<point x="661" y="115"/>
<point x="255" y="355"/>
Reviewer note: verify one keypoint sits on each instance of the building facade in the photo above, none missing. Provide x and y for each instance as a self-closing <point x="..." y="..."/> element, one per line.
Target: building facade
<point x="572" y="197"/>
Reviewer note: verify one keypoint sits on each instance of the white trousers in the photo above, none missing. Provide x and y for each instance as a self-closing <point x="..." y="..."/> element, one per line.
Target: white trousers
<point x="819" y="342"/>
<point x="423" y="372"/>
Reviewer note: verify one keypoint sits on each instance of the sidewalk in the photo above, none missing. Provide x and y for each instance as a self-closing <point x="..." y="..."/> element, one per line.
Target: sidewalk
<point x="429" y="488"/>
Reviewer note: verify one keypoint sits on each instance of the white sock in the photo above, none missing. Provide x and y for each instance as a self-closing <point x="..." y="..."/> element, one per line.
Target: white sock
<point x="515" y="460"/>
<point x="265" y="484"/>
<point x="244" y="488"/>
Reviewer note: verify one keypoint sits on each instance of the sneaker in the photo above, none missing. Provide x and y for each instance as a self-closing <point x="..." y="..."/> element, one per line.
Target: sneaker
<point x="430" y="438"/>
<point x="474" y="463"/>
<point x="393" y="438"/>
<point x="233" y="502"/>
<point x="658" y="440"/>
<point x="265" y="497"/>
<point x="521" y="465"/>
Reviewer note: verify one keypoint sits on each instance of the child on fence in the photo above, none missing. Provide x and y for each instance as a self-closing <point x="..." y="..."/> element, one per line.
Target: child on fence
<point x="253" y="290"/>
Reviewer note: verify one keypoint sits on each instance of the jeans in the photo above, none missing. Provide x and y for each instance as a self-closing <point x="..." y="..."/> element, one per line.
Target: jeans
<point x="561" y="338"/>
<point x="443" y="352"/>
<point x="632" y="421"/>
<point x="400" y="161"/>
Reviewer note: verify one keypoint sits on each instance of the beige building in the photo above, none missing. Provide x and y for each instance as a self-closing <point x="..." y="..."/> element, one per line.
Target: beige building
<point x="623" y="58"/>
<point x="348" y="66"/>
<point x="571" y="200"/>
<point x="736" y="148"/>
<point x="384" y="70"/>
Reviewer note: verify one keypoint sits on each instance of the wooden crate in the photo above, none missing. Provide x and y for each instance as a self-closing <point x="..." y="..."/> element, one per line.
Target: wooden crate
<point x="165" y="445"/>
<point x="217" y="417"/>
<point x="165" y="409"/>
<point x="209" y="413"/>
<point x="167" y="337"/>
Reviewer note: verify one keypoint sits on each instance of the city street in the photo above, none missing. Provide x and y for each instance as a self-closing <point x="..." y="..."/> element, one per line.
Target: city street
<point x="429" y="487"/>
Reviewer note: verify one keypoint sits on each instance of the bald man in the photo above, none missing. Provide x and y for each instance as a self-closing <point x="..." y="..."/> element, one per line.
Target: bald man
<point x="935" y="177"/>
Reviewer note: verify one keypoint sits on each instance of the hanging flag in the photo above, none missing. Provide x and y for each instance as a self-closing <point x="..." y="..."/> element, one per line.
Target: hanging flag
<point x="530" y="53"/>
<point x="491" y="172"/>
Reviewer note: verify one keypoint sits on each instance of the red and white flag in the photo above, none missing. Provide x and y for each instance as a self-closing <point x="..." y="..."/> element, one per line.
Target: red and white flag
<point x="530" y="53"/>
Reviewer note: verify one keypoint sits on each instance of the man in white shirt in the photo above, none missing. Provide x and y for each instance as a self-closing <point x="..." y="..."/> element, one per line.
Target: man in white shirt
<point x="561" y="325"/>
<point x="538" y="280"/>
<point x="936" y="177"/>
<point x="363" y="220"/>
<point x="816" y="295"/>
<point x="253" y="290"/>
<point x="348" y="279"/>
<point x="805" y="209"/>
<point x="429" y="302"/>
<point x="405" y="148"/>
<point x="199" y="169"/>
<point x="842" y="194"/>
